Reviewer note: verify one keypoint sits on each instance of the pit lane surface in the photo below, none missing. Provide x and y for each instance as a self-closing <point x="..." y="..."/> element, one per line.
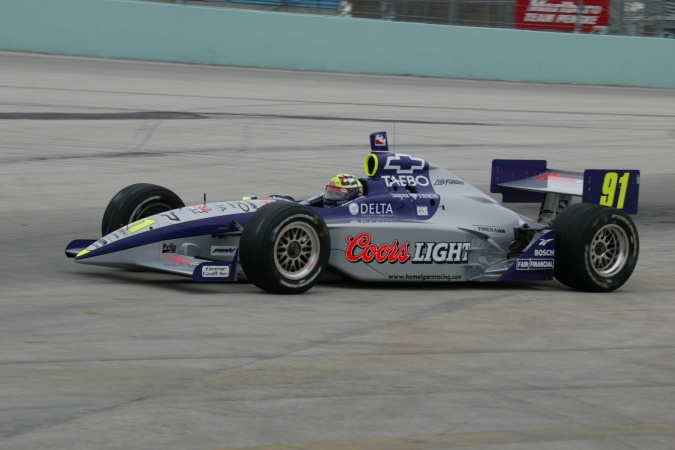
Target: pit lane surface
<point x="94" y="358"/>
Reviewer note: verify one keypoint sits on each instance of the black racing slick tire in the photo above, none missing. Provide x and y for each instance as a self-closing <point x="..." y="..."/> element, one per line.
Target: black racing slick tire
<point x="135" y="202"/>
<point x="596" y="247"/>
<point x="284" y="248"/>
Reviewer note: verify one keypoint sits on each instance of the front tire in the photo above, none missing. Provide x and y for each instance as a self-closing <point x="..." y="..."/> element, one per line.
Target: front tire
<point x="596" y="247"/>
<point x="284" y="248"/>
<point x="135" y="202"/>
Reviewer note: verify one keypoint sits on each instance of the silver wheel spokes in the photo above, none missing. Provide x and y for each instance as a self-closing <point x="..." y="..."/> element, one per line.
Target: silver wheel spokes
<point x="609" y="250"/>
<point x="296" y="251"/>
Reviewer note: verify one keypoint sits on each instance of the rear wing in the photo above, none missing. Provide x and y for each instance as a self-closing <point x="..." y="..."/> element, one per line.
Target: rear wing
<point x="531" y="181"/>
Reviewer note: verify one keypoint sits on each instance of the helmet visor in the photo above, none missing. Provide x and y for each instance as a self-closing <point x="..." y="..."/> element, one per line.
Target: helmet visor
<point x="339" y="194"/>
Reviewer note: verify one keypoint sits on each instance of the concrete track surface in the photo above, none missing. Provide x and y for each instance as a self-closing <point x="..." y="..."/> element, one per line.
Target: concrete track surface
<point x="95" y="358"/>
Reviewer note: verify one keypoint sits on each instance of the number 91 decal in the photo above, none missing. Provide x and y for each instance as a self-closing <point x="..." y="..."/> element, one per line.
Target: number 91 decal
<point x="614" y="188"/>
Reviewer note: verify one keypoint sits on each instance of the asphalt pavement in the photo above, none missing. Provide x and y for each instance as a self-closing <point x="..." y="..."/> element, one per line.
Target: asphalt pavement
<point x="96" y="358"/>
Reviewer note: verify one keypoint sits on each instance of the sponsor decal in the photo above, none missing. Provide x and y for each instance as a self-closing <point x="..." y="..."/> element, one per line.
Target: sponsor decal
<point x="538" y="258"/>
<point x="380" y="140"/>
<point x="422" y="277"/>
<point x="247" y="206"/>
<point x="168" y="247"/>
<point x="489" y="229"/>
<point x="422" y="211"/>
<point x="405" y="180"/>
<point x="360" y="248"/>
<point x="281" y="198"/>
<point x="447" y="182"/>
<point x="403" y="164"/>
<point x="426" y="196"/>
<point x="215" y="271"/>
<point x="537" y="262"/>
<point x="558" y="177"/>
<point x="371" y="209"/>
<point x="199" y="209"/>
<point x="172" y="216"/>
<point x="223" y="251"/>
<point x="441" y="252"/>
<point x="180" y="260"/>
<point x="586" y="16"/>
<point x="534" y="264"/>
<point x="415" y="196"/>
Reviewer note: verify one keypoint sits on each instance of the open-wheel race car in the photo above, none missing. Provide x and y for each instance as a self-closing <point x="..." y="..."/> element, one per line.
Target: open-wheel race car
<point x="412" y="221"/>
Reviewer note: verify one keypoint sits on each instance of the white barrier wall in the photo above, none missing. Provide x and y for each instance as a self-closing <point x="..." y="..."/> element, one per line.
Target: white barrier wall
<point x="198" y="34"/>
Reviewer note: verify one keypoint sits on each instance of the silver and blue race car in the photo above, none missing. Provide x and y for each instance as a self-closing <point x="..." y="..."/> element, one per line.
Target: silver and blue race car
<point x="415" y="222"/>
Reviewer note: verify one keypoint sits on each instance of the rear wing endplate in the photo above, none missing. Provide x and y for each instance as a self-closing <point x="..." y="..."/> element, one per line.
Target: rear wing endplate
<point x="528" y="181"/>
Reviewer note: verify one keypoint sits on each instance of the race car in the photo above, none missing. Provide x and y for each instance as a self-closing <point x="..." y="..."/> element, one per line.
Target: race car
<point x="415" y="222"/>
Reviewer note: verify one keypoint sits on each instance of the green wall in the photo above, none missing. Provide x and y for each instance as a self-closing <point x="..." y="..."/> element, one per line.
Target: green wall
<point x="195" y="34"/>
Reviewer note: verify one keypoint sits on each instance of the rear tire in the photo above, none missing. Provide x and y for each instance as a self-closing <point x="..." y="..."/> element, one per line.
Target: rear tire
<point x="596" y="247"/>
<point x="135" y="202"/>
<point x="284" y="248"/>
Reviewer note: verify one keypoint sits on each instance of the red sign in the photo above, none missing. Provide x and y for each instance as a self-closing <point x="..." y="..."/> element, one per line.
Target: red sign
<point x="585" y="16"/>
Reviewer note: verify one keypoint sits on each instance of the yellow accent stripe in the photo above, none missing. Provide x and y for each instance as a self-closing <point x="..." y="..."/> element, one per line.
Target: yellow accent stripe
<point x="139" y="225"/>
<point x="485" y="438"/>
<point x="83" y="252"/>
<point x="370" y="156"/>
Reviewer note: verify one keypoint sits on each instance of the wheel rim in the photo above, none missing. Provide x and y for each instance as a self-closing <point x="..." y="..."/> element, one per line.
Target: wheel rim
<point x="609" y="250"/>
<point x="296" y="251"/>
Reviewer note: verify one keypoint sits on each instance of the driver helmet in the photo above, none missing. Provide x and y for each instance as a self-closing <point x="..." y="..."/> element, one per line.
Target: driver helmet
<point x="341" y="189"/>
